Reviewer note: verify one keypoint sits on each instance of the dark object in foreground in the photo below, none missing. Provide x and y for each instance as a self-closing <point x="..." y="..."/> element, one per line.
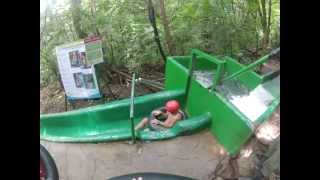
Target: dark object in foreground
<point x="48" y="168"/>
<point x="150" y="176"/>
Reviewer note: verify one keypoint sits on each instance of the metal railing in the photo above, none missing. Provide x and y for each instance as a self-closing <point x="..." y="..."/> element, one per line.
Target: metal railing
<point x="132" y="109"/>
<point x="252" y="65"/>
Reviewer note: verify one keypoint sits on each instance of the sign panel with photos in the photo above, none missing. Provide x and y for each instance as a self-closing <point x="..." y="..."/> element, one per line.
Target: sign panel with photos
<point x="78" y="76"/>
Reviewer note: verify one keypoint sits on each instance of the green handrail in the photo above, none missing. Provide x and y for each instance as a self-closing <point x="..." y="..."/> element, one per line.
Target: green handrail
<point x="252" y="65"/>
<point x="132" y="108"/>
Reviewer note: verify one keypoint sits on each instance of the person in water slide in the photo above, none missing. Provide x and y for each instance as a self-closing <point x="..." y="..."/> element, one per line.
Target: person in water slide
<point x="162" y="118"/>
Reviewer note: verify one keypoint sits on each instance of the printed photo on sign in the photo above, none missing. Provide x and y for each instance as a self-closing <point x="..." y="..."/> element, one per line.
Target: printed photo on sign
<point x="75" y="58"/>
<point x="78" y="80"/>
<point x="89" y="81"/>
<point x="84" y="61"/>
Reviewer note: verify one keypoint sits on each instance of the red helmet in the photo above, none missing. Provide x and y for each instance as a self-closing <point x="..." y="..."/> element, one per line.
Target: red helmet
<point x="172" y="106"/>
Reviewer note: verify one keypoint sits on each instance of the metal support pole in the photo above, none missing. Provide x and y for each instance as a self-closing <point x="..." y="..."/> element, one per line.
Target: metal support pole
<point x="132" y="109"/>
<point x="219" y="73"/>
<point x="191" y="67"/>
<point x="65" y="102"/>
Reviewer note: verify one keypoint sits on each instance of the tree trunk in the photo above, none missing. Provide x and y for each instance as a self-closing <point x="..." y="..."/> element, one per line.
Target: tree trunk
<point x="76" y="18"/>
<point x="167" y="31"/>
<point x="265" y="19"/>
<point x="42" y="31"/>
<point x="265" y="39"/>
<point x="94" y="17"/>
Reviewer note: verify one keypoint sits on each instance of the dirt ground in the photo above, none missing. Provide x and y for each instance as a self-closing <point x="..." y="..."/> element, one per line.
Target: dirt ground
<point x="193" y="156"/>
<point x="52" y="97"/>
<point x="196" y="156"/>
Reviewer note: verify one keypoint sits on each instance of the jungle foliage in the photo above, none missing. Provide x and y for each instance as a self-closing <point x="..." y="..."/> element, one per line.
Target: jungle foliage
<point x="244" y="29"/>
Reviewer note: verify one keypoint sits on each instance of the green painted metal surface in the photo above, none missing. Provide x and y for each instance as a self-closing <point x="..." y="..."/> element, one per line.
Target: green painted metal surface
<point x="226" y="126"/>
<point x="111" y="122"/>
<point x="229" y="125"/>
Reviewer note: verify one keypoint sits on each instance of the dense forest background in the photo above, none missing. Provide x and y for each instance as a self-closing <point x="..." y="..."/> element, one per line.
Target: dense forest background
<point x="243" y="29"/>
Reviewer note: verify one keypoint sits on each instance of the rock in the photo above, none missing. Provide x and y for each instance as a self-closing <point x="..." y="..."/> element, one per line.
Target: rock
<point x="271" y="164"/>
<point x="269" y="131"/>
<point x="246" y="167"/>
<point x="227" y="168"/>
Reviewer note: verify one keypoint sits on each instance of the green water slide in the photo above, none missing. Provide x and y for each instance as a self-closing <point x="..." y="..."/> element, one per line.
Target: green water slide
<point x="110" y="121"/>
<point x="218" y="94"/>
